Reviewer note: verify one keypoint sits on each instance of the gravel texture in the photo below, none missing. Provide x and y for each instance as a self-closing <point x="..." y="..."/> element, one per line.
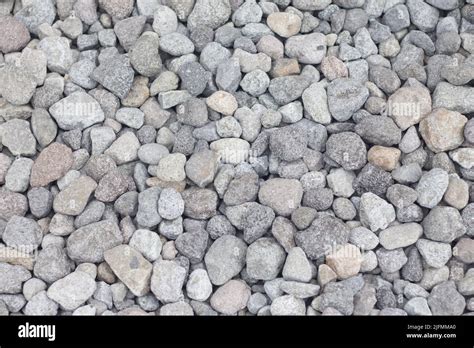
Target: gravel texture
<point x="237" y="157"/>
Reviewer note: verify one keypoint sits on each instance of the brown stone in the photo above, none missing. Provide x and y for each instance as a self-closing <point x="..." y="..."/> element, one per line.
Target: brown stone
<point x="333" y="68"/>
<point x="464" y="250"/>
<point x="11" y="204"/>
<point x="345" y="261"/>
<point x="285" y="24"/>
<point x="52" y="164"/>
<point x="384" y="157"/>
<point x="409" y="105"/>
<point x="443" y="130"/>
<point x="285" y="67"/>
<point x="14" y="34"/>
<point x="131" y="268"/>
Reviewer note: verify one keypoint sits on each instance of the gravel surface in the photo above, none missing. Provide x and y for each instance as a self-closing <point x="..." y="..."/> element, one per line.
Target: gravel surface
<point x="237" y="157"/>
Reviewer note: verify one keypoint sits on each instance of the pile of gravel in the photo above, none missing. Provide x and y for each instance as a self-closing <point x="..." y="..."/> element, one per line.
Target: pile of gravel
<point x="231" y="157"/>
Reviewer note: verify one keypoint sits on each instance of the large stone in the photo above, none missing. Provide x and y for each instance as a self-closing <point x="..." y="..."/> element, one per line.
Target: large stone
<point x="409" y="105"/>
<point x="210" y="13"/>
<point x="345" y="97"/>
<point x="130" y="267"/>
<point x="51" y="164"/>
<point x="77" y="111"/>
<point x="15" y="34"/>
<point x="432" y="187"/>
<point x="442" y="130"/>
<point x="23" y="234"/>
<point x="225" y="259"/>
<point x="265" y="258"/>
<point x="375" y="213"/>
<point x="88" y="243"/>
<point x="73" y="290"/>
<point x="73" y="199"/>
<point x="345" y="260"/>
<point x="443" y="224"/>
<point x="285" y="24"/>
<point x="252" y="218"/>
<point x="308" y="49"/>
<point x="231" y="297"/>
<point x="320" y="238"/>
<point x="167" y="281"/>
<point x="115" y="74"/>
<point x="199" y="203"/>
<point x="13" y="278"/>
<point x="315" y="102"/>
<point x="17" y="137"/>
<point x="282" y="195"/>
<point x="444" y="299"/>
<point x="400" y="236"/>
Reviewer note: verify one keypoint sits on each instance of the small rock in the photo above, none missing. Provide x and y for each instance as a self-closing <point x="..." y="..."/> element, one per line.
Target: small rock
<point x="285" y="24"/>
<point x="73" y="199"/>
<point x="225" y="259"/>
<point x="463" y="250"/>
<point x="345" y="97"/>
<point x="442" y="130"/>
<point x="400" y="236"/>
<point x="432" y="187"/>
<point x="347" y="149"/>
<point x="17" y="137"/>
<point x="15" y="35"/>
<point x="446" y="300"/>
<point x="323" y="234"/>
<point x="198" y="286"/>
<point x="282" y="195"/>
<point x="13" y="278"/>
<point x="73" y="290"/>
<point x="51" y="164"/>
<point x="115" y="74"/>
<point x="167" y="281"/>
<point x="315" y="102"/>
<point x="78" y="110"/>
<point x="265" y="259"/>
<point x="176" y="44"/>
<point x="231" y="297"/>
<point x="22" y="233"/>
<point x="443" y="224"/>
<point x="124" y="149"/>
<point x="375" y="212"/>
<point x="88" y="243"/>
<point x="130" y="267"/>
<point x="201" y="167"/>
<point x="297" y="267"/>
<point x="391" y="260"/>
<point x="222" y="102"/>
<point x="435" y="254"/>
<point x="308" y="49"/>
<point x="288" y="305"/>
<point x="345" y="261"/>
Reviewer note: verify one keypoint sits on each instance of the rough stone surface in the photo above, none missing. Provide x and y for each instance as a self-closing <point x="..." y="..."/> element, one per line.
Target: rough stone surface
<point x="236" y="157"/>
